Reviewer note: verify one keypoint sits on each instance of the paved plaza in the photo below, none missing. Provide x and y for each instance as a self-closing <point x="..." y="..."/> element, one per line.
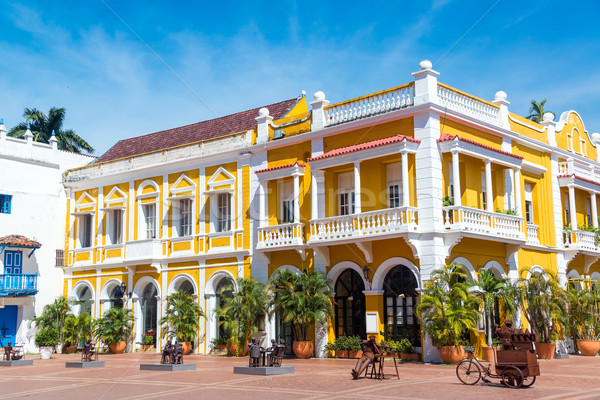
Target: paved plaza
<point x="574" y="378"/>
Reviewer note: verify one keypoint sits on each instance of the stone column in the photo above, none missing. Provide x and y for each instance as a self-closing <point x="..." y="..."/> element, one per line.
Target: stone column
<point x="594" y="210"/>
<point x="357" y="188"/>
<point x="296" y="198"/>
<point x="456" y="178"/>
<point x="572" y="207"/>
<point x="405" y="188"/>
<point x="518" y="207"/>
<point x="489" y="197"/>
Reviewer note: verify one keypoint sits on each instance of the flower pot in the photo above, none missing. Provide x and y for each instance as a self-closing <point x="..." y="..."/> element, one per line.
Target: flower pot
<point x="410" y="356"/>
<point x="221" y="346"/>
<point x="118" y="348"/>
<point x="452" y="354"/>
<point x="545" y="351"/>
<point x="488" y="353"/>
<point x="187" y="348"/>
<point x="69" y="349"/>
<point x="147" y="347"/>
<point x="340" y="353"/>
<point x="588" y="347"/>
<point x="355" y="354"/>
<point x="237" y="350"/>
<point x="303" y="349"/>
<point x="45" y="352"/>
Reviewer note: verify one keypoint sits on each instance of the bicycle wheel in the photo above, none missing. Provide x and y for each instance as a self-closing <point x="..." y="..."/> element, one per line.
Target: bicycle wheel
<point x="468" y="372"/>
<point x="530" y="380"/>
<point x="512" y="377"/>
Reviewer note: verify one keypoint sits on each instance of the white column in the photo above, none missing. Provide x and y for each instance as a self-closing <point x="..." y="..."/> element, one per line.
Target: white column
<point x="594" y="210"/>
<point x="518" y="207"/>
<point x="489" y="198"/>
<point x="405" y="190"/>
<point x="357" y="199"/>
<point x="572" y="207"/>
<point x="261" y="204"/>
<point x="314" y="214"/>
<point x="456" y="178"/>
<point x="296" y="198"/>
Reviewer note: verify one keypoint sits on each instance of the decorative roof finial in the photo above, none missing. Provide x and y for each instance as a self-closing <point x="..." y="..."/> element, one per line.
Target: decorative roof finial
<point x="1" y="121"/>
<point x="28" y="126"/>
<point x="53" y="134"/>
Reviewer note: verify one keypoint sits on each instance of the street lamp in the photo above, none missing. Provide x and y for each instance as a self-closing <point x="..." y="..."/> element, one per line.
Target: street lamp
<point x="366" y="271"/>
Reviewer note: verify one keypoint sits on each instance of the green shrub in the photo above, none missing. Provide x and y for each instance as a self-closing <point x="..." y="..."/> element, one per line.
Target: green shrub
<point x="46" y="337"/>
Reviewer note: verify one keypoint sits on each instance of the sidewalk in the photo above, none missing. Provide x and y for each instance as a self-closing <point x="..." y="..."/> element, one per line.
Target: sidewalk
<point x="574" y="378"/>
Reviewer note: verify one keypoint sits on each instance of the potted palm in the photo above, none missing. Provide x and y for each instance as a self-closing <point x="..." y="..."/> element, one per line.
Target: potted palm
<point x="301" y="300"/>
<point x="114" y="327"/>
<point x="582" y="321"/>
<point x="407" y="351"/>
<point x="491" y="289"/>
<point x="543" y="302"/>
<point x="182" y="319"/>
<point x="243" y="313"/>
<point x="354" y="347"/>
<point x="448" y="308"/>
<point x="53" y="316"/>
<point x="75" y="329"/>
<point x="46" y="339"/>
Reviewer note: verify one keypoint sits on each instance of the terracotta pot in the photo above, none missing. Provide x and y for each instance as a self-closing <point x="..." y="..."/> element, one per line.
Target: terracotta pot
<point x="588" y="347"/>
<point x="221" y="346"/>
<point x="545" y="351"/>
<point x="355" y="354"/>
<point x="341" y="353"/>
<point x="452" y="354"/>
<point x="242" y="350"/>
<point x="147" y="347"/>
<point x="187" y="348"/>
<point x="303" y="349"/>
<point x="118" y="348"/>
<point x="70" y="349"/>
<point x="410" y="356"/>
<point x="488" y="353"/>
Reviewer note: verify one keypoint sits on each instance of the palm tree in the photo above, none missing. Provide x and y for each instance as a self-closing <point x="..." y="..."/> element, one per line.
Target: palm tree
<point x="54" y="315"/>
<point x="115" y="325"/>
<point x="182" y="317"/>
<point x="44" y="127"/>
<point x="536" y="111"/>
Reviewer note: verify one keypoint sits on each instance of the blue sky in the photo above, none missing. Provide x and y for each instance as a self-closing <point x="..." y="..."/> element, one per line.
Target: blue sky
<point x="152" y="65"/>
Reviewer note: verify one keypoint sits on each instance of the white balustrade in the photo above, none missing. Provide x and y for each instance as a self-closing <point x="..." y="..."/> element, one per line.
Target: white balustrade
<point x="372" y="223"/>
<point x="532" y="234"/>
<point x="582" y="170"/>
<point x="468" y="105"/>
<point x="377" y="103"/>
<point x="143" y="249"/>
<point x="481" y="221"/>
<point x="280" y="235"/>
<point x="580" y="240"/>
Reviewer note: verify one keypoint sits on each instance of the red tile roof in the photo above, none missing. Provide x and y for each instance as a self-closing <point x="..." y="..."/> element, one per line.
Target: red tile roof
<point x="213" y="128"/>
<point x="18" y="241"/>
<point x="446" y="137"/>
<point x="281" y="167"/>
<point x="580" y="178"/>
<point x="364" y="146"/>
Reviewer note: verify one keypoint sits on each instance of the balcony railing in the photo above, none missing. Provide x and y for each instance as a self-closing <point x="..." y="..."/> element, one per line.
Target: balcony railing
<point x="373" y="104"/>
<point x="580" y="240"/>
<point x="143" y="249"/>
<point x="485" y="222"/>
<point x="580" y="169"/>
<point x="372" y="223"/>
<point x="18" y="285"/>
<point x="283" y="235"/>
<point x="532" y="234"/>
<point x="467" y="104"/>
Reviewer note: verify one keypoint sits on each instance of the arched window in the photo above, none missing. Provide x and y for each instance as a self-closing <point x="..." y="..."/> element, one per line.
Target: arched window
<point x="400" y="298"/>
<point x="84" y="298"/>
<point x="223" y="290"/>
<point x="149" y="308"/>
<point x="116" y="297"/>
<point x="350" y="305"/>
<point x="186" y="287"/>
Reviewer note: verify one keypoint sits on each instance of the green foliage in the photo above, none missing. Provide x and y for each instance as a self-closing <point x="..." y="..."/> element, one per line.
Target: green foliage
<point x="221" y="340"/>
<point x="182" y="318"/>
<point x="147" y="339"/>
<point x="54" y="315"/>
<point x="47" y="337"/>
<point x="245" y="310"/>
<point x="447" y="201"/>
<point x="301" y="300"/>
<point x="583" y="319"/>
<point x="115" y="325"/>
<point x="448" y="307"/>
<point x="351" y="343"/>
<point x="508" y="211"/>
<point x="543" y="302"/>
<point x="591" y="228"/>
<point x="77" y="328"/>
<point x="42" y="127"/>
<point x="536" y="111"/>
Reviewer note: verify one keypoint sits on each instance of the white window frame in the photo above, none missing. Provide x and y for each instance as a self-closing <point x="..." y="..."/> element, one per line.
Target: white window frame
<point x="185" y="220"/>
<point x="483" y="191"/>
<point x="568" y="212"/>
<point x="85" y="230"/>
<point x="588" y="212"/>
<point x="529" y="217"/>
<point x="116" y="225"/>
<point x="222" y="221"/>
<point x="451" y="181"/>
<point x="149" y="231"/>
<point x="570" y="142"/>
<point x="394" y="182"/>
<point x="345" y="194"/>
<point x="286" y="200"/>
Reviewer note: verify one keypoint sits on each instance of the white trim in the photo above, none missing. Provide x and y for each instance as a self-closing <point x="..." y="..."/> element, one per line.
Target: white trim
<point x="214" y="280"/>
<point x="137" y="294"/>
<point x="495" y="265"/>
<point x="75" y="290"/>
<point x="595" y="275"/>
<point x="227" y="182"/>
<point x="387" y="265"/>
<point x="467" y="265"/>
<point x="183" y="177"/>
<point x="142" y="186"/>
<point x="534" y="269"/>
<point x="85" y="194"/>
<point x="286" y="267"/>
<point x="573" y="274"/>
<point x="114" y="190"/>
<point x="340" y="267"/>
<point x="177" y="281"/>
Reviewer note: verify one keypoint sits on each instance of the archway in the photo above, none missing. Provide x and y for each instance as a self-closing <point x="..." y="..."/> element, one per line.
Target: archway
<point x="400" y="297"/>
<point x="111" y="296"/>
<point x="214" y="295"/>
<point x="149" y="305"/>
<point x="84" y="295"/>
<point x="280" y="328"/>
<point x="350" y="305"/>
<point x="146" y="295"/>
<point x="185" y="283"/>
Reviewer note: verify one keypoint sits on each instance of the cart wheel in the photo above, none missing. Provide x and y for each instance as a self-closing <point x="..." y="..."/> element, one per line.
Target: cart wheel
<point x="468" y="372"/>
<point x="528" y="381"/>
<point x="512" y="377"/>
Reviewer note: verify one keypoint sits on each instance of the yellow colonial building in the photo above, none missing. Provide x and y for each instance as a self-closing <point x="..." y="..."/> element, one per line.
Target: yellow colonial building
<point x="375" y="192"/>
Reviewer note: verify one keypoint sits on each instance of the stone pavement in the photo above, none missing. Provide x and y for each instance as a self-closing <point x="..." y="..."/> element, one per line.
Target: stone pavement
<point x="574" y="378"/>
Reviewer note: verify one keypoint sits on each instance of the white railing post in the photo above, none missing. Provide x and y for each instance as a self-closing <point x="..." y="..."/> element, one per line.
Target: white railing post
<point x="500" y="100"/>
<point x="319" y="116"/>
<point x="426" y="84"/>
<point x="550" y="125"/>
<point x="263" y="121"/>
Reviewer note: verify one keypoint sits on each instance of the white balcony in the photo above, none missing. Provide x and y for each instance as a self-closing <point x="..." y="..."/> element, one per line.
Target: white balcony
<point x="580" y="240"/>
<point x="480" y="222"/>
<point x="280" y="236"/>
<point x="368" y="224"/>
<point x="468" y="105"/>
<point x="142" y="250"/>
<point x="532" y="234"/>
<point x="579" y="169"/>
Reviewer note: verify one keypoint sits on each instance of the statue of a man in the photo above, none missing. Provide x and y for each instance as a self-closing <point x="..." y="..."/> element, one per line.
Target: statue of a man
<point x="371" y="349"/>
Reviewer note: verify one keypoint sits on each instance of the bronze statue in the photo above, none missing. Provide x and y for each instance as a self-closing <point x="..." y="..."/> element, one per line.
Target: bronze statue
<point x="371" y="351"/>
<point x="172" y="353"/>
<point x="12" y="353"/>
<point x="255" y="353"/>
<point x="88" y="351"/>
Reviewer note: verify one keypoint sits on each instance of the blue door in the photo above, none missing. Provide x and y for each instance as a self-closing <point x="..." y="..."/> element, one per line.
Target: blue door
<point x="13" y="262"/>
<point x="8" y="325"/>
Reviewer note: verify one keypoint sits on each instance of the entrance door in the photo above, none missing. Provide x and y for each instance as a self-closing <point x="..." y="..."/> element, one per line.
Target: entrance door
<point x="350" y="305"/>
<point x="400" y="298"/>
<point x="8" y="325"/>
<point x="149" y="308"/>
<point x="283" y="331"/>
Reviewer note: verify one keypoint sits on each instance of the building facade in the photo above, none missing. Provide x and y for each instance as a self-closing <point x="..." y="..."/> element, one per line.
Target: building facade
<point x="32" y="208"/>
<point x="375" y="192"/>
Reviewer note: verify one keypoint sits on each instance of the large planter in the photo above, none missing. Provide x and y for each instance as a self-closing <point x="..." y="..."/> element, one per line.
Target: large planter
<point x="69" y="349"/>
<point x="452" y="354"/>
<point x="221" y="346"/>
<point x="545" y="351"/>
<point x="237" y="350"/>
<point x="303" y="349"/>
<point x="187" y="348"/>
<point x="588" y="347"/>
<point x="341" y="353"/>
<point x="410" y="356"/>
<point x="488" y="354"/>
<point x="355" y="354"/>
<point x="118" y="348"/>
<point x="46" y="352"/>
<point x="147" y="347"/>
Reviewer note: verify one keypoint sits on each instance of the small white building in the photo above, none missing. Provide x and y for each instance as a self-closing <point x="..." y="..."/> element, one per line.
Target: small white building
<point x="32" y="231"/>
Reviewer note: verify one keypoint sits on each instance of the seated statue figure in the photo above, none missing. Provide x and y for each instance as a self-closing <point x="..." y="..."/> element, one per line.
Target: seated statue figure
<point x="371" y="350"/>
<point x="167" y="354"/>
<point x="177" y="357"/>
<point x="254" y="350"/>
<point x="88" y="351"/>
<point x="8" y="352"/>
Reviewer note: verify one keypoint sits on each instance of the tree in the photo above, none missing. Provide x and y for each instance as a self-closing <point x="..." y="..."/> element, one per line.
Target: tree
<point x="43" y="127"/>
<point x="115" y="325"/>
<point x="536" y="111"/>
<point x="54" y="315"/>
<point x="183" y="317"/>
